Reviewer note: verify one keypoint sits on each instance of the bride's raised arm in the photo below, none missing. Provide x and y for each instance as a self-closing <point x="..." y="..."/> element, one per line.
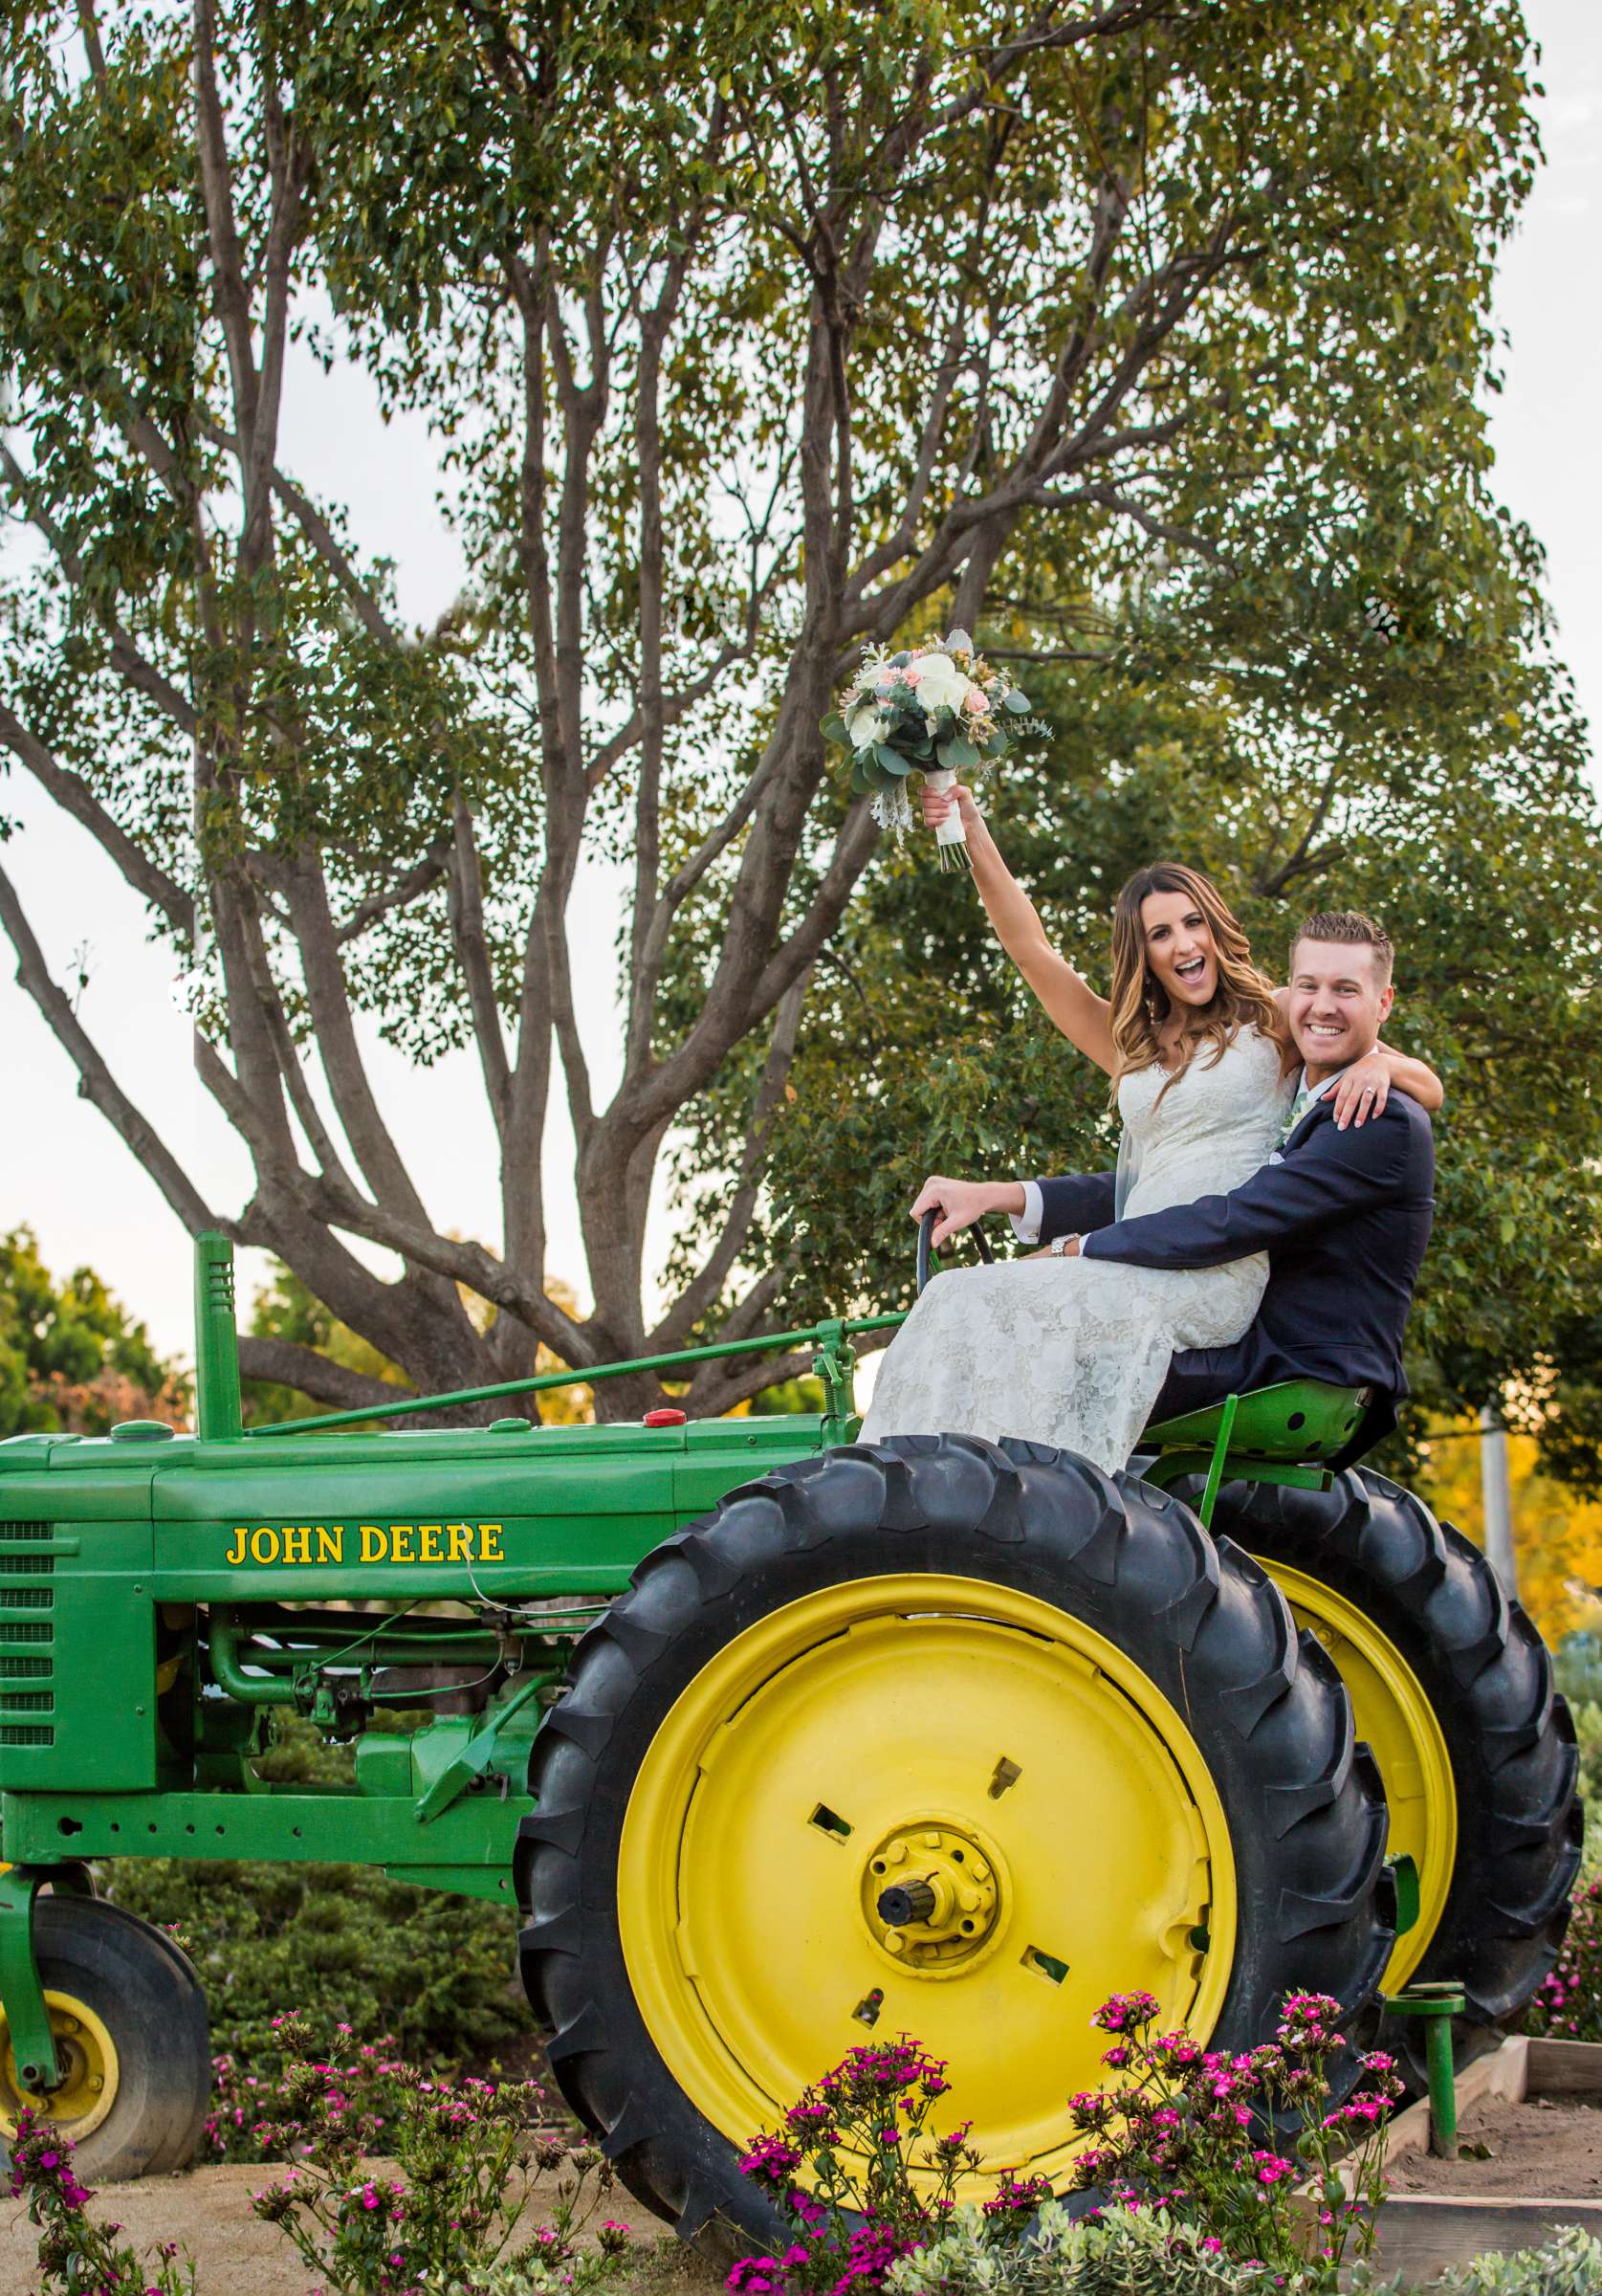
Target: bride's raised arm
<point x="1069" y="1001"/>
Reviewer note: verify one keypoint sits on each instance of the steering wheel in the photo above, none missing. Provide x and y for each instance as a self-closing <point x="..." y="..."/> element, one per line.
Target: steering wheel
<point x="927" y="1252"/>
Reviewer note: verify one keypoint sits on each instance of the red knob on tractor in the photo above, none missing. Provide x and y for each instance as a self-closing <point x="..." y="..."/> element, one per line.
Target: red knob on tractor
<point x="668" y="1417"/>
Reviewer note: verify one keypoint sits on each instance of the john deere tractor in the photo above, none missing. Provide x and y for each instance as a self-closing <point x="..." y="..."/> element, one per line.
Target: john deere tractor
<point x="775" y="1737"/>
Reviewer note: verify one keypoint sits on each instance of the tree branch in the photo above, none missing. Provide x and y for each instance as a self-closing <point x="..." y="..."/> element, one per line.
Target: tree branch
<point x="73" y="795"/>
<point x="96" y="1082"/>
<point x="467" y="924"/>
<point x="126" y="658"/>
<point x="287" y="1364"/>
<point x="421" y="878"/>
<point x="706" y="1286"/>
<point x="228" y="263"/>
<point x="718" y="1395"/>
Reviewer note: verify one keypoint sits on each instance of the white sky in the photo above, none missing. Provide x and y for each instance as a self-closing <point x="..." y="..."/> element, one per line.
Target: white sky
<point x="64" y="1172"/>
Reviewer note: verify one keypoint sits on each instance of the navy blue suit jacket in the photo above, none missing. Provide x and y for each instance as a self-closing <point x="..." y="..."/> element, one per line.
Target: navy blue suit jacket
<point x="1344" y="1218"/>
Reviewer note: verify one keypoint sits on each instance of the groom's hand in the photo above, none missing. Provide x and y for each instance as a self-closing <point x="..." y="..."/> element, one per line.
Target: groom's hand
<point x="958" y="1202"/>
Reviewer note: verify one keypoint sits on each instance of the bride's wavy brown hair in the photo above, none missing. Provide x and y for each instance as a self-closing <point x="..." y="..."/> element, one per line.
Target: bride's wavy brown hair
<point x="1243" y="999"/>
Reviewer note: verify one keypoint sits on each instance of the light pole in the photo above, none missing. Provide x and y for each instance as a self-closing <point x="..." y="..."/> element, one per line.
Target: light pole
<point x="1497" y="1489"/>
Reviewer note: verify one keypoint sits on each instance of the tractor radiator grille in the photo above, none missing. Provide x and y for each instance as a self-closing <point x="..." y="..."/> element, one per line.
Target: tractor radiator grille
<point x="21" y="1659"/>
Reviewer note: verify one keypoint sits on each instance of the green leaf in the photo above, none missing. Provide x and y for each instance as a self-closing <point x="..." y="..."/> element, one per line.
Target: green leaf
<point x="958" y="753"/>
<point x="1016" y="703"/>
<point x="891" y="761"/>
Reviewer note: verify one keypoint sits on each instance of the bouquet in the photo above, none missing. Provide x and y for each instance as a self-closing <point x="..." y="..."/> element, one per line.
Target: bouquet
<point x="940" y="710"/>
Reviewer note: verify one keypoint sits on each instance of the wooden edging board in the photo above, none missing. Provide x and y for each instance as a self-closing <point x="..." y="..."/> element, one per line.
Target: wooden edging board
<point x="1422" y="2234"/>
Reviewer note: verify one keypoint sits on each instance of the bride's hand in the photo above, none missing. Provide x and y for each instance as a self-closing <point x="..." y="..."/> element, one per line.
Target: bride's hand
<point x="936" y="804"/>
<point x="958" y="1202"/>
<point x="1362" y="1091"/>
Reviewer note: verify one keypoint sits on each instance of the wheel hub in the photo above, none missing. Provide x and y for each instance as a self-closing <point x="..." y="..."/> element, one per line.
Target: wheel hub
<point x="932" y="1897"/>
<point x="87" y="2057"/>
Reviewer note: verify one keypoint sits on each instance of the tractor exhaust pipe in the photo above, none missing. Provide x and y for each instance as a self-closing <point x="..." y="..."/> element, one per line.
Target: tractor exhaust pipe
<point x="218" y="1416"/>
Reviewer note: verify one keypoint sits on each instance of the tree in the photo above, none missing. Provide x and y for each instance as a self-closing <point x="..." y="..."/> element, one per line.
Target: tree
<point x="286" y="1317"/>
<point x="753" y="338"/>
<point x="70" y="1357"/>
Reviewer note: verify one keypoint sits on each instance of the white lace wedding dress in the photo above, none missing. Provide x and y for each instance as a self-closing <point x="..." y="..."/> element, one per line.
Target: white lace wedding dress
<point x="1074" y="1352"/>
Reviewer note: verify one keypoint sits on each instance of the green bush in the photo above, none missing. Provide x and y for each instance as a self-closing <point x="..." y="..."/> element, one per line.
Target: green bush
<point x="1141" y="2254"/>
<point x="1567" y="2264"/>
<point x="1578" y="1663"/>
<point x="1568" y="2005"/>
<point x="432" y="1972"/>
<point x="1587" y="1734"/>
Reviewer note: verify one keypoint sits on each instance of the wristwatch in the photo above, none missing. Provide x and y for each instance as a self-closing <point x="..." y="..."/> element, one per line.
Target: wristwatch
<point x="1058" y="1245"/>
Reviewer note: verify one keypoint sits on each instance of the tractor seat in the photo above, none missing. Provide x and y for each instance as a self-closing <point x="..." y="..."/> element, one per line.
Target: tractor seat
<point x="1279" y="1434"/>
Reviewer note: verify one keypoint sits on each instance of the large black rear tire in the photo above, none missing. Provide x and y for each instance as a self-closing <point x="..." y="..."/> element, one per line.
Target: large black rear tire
<point x="1487" y="1677"/>
<point x="1200" y="1626"/>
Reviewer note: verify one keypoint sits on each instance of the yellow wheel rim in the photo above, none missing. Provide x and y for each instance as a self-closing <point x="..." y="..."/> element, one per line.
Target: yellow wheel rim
<point x="1396" y="1719"/>
<point x="919" y="1730"/>
<point x="87" y="2057"/>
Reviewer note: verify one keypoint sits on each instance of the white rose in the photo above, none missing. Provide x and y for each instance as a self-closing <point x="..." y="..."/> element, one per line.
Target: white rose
<point x="864" y="723"/>
<point x="941" y="684"/>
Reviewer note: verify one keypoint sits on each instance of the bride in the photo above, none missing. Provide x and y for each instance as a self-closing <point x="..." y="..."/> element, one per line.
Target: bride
<point x="1072" y="1351"/>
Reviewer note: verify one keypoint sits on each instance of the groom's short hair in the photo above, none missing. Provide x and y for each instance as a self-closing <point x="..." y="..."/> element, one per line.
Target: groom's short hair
<point x="1351" y="927"/>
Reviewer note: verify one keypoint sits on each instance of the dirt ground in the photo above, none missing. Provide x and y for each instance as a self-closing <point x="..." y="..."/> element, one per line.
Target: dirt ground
<point x="1540" y="2150"/>
<point x="208" y="2211"/>
<point x="1544" y="2149"/>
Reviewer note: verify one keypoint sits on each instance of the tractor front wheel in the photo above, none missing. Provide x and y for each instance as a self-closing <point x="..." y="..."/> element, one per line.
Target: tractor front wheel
<point x="941" y="1737"/>
<point x="129" y="2020"/>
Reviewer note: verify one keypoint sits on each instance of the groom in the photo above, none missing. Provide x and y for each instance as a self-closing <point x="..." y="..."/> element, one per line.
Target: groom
<point x="1343" y="1214"/>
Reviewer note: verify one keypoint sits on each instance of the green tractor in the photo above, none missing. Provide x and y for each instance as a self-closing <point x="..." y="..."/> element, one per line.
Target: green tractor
<point x="775" y="1738"/>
